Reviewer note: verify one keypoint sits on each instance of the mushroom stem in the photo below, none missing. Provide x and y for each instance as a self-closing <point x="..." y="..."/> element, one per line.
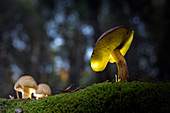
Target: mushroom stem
<point x="25" y="95"/>
<point x="17" y="94"/>
<point x="123" y="74"/>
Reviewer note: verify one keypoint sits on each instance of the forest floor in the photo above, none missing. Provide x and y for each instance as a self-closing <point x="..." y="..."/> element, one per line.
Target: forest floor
<point x="105" y="97"/>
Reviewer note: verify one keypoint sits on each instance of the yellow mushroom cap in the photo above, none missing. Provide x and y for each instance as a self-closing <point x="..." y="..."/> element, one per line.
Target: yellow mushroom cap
<point x="26" y="82"/>
<point x="115" y="38"/>
<point x="43" y="89"/>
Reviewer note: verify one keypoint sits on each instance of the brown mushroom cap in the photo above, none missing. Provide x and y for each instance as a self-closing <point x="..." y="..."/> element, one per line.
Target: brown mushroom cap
<point x="115" y="38"/>
<point x="26" y="85"/>
<point x="43" y="89"/>
<point x="25" y="81"/>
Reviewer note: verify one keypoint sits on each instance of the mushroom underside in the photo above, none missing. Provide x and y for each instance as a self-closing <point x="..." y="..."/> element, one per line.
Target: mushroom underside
<point x="26" y="92"/>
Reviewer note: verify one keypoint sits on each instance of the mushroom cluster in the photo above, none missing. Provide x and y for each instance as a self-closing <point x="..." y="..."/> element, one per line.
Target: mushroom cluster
<point x="28" y="86"/>
<point x="111" y="47"/>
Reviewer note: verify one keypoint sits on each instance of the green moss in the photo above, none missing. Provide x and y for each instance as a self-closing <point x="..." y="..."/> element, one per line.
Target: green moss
<point x="132" y="97"/>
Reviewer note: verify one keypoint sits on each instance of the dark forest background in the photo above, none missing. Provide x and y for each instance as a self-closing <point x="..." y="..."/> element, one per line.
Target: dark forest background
<point x="52" y="40"/>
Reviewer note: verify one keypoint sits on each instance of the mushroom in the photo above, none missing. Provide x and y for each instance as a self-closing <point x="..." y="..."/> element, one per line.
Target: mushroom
<point x="26" y="85"/>
<point x="111" y="47"/>
<point x="43" y="90"/>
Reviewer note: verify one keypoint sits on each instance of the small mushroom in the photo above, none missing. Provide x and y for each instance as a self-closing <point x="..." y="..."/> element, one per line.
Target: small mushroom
<point x="111" y="47"/>
<point x="43" y="90"/>
<point x="26" y="85"/>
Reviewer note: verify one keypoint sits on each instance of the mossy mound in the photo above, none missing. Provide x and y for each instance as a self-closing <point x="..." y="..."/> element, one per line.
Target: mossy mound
<point x="132" y="97"/>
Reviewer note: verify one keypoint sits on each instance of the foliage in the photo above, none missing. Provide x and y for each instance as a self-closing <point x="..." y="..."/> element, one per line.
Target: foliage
<point x="103" y="97"/>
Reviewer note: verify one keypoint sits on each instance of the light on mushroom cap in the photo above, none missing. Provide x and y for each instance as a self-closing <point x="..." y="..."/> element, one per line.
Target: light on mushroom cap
<point x="116" y="38"/>
<point x="127" y="44"/>
<point x="43" y="90"/>
<point x="25" y="81"/>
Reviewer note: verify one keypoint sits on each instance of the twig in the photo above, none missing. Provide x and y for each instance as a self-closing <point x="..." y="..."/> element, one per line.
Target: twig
<point x="78" y="88"/>
<point x="65" y="90"/>
<point x="11" y="97"/>
<point x="68" y="88"/>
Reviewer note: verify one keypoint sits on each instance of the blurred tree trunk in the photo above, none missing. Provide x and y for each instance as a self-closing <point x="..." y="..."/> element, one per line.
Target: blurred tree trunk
<point x="94" y="6"/>
<point x="164" y="49"/>
<point x="76" y="57"/>
<point x="7" y="11"/>
<point x="76" y="51"/>
<point x="5" y="71"/>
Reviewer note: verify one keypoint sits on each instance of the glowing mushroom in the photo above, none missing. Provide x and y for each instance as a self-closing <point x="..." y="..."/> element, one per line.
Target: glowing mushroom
<point x="43" y="90"/>
<point x="111" y="47"/>
<point x="26" y="85"/>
